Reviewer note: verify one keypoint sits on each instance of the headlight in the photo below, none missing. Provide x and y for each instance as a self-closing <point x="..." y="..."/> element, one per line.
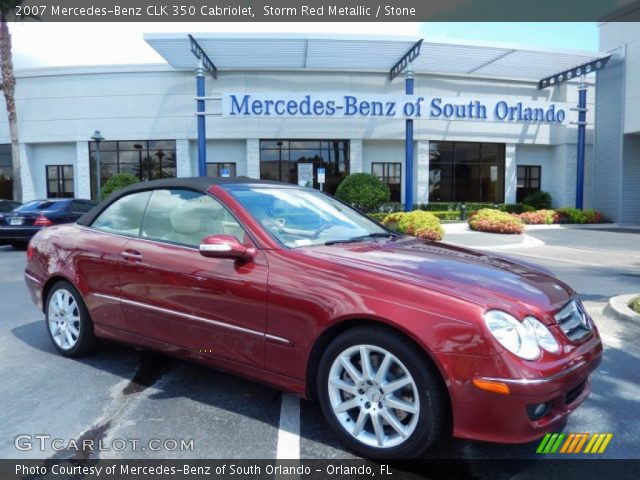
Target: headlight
<point x="513" y="335"/>
<point x="545" y="338"/>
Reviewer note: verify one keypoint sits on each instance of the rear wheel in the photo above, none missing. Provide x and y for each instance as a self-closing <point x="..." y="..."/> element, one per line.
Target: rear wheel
<point x="68" y="322"/>
<point x="382" y="396"/>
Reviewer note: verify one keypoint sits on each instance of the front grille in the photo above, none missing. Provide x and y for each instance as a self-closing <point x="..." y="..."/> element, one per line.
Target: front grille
<point x="574" y="393"/>
<point x="573" y="321"/>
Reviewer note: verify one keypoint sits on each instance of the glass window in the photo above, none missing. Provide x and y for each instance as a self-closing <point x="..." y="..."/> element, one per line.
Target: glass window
<point x="146" y="159"/>
<point x="391" y="174"/>
<point x="186" y="217"/>
<point x="528" y="181"/>
<point x="41" y="205"/>
<point x="279" y="160"/>
<point x="300" y="217"/>
<point x="124" y="216"/>
<point x="59" y="181"/>
<point x="215" y="169"/>
<point x="466" y="172"/>
<point x="81" y="207"/>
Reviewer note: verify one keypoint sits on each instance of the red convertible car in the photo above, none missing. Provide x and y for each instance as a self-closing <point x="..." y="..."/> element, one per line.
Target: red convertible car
<point x="399" y="339"/>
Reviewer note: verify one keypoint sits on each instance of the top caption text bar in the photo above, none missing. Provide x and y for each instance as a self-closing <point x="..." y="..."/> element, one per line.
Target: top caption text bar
<point x="326" y="10"/>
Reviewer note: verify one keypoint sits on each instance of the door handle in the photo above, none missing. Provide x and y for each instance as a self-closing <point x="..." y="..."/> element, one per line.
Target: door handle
<point x="132" y="256"/>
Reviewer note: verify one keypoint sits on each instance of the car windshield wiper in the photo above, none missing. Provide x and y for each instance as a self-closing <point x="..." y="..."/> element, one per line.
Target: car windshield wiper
<point x="361" y="238"/>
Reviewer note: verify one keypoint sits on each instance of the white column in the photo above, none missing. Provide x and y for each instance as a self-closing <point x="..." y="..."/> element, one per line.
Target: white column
<point x="26" y="176"/>
<point x="422" y="172"/>
<point x="183" y="159"/>
<point x="510" y="173"/>
<point x="253" y="158"/>
<point x="356" y="162"/>
<point x="83" y="171"/>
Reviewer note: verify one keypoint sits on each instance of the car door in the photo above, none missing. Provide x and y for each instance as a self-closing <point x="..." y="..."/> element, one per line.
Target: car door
<point x="99" y="248"/>
<point x="173" y="294"/>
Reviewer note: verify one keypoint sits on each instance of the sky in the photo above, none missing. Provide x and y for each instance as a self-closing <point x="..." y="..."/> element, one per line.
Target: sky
<point x="61" y="44"/>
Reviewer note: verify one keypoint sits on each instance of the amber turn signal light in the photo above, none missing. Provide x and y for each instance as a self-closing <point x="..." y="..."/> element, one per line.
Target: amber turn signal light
<point x="492" y="386"/>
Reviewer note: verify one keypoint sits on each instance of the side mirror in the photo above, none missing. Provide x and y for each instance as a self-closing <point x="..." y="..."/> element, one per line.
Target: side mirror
<point x="225" y="246"/>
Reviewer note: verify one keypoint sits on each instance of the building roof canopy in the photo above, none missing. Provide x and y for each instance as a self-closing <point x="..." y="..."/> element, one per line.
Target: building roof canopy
<point x="364" y="53"/>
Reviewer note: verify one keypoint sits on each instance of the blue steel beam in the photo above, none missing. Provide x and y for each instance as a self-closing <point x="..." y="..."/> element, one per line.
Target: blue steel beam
<point x="565" y="76"/>
<point x="408" y="151"/>
<point x="204" y="63"/>
<point x="202" y="130"/>
<point x="582" y="123"/>
<point x="396" y="70"/>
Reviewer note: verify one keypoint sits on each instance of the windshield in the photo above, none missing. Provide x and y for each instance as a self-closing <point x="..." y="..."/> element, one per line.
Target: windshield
<point x="300" y="217"/>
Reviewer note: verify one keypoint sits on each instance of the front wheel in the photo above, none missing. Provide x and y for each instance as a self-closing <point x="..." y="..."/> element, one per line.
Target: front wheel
<point x="382" y="396"/>
<point x="68" y="322"/>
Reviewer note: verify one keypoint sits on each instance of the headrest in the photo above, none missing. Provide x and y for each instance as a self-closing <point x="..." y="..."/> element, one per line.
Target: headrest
<point x="185" y="219"/>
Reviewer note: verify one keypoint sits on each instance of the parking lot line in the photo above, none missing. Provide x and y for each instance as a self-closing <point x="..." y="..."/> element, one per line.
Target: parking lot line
<point x="289" y="429"/>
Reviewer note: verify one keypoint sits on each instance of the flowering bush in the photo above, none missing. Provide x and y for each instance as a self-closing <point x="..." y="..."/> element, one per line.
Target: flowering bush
<point x="495" y="221"/>
<point x="539" y="217"/>
<point x="417" y="223"/>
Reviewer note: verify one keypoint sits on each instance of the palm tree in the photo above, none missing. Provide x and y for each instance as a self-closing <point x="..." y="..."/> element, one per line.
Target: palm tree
<point x="8" y="85"/>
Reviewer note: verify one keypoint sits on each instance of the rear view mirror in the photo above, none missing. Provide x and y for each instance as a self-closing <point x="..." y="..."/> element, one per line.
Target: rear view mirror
<point x="225" y="246"/>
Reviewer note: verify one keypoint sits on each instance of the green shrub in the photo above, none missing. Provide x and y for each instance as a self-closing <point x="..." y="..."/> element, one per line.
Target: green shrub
<point x="495" y="221"/>
<point x="417" y="223"/>
<point x="446" y="215"/>
<point x="539" y="200"/>
<point x="117" y="182"/>
<point x="574" y="215"/>
<point x="635" y="304"/>
<point x="363" y="191"/>
<point x="516" y="208"/>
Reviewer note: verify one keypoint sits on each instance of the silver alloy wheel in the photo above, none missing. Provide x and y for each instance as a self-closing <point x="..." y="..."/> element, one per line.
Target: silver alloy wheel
<point x="373" y="396"/>
<point x="64" y="319"/>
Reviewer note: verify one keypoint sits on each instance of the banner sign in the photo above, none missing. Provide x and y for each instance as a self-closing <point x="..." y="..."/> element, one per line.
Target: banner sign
<point x="274" y="105"/>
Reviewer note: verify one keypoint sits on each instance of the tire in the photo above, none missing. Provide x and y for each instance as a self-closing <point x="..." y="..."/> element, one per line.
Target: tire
<point x="352" y="408"/>
<point x="19" y="245"/>
<point x="68" y="321"/>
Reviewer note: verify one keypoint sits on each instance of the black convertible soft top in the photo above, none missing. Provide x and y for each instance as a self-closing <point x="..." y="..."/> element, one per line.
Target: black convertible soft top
<point x="197" y="184"/>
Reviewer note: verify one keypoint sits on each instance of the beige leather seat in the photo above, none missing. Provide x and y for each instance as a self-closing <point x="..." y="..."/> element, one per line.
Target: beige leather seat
<point x="186" y="224"/>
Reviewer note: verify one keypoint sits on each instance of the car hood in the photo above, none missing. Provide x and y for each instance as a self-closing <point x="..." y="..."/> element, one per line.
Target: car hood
<point x="489" y="280"/>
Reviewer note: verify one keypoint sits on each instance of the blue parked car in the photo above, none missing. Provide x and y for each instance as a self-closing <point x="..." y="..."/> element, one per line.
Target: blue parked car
<point x="18" y="226"/>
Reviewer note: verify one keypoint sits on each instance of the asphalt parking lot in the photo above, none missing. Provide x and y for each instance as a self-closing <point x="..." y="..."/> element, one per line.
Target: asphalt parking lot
<point x="121" y="393"/>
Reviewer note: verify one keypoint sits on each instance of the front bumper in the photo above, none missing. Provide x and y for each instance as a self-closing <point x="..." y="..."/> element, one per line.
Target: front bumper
<point x="503" y="418"/>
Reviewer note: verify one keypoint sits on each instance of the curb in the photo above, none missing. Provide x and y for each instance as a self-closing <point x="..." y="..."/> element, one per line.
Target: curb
<point x="619" y="305"/>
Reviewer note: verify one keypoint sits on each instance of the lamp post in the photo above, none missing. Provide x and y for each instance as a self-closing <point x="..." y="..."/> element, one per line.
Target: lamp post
<point x="97" y="137"/>
<point x="138" y="147"/>
<point x="279" y="161"/>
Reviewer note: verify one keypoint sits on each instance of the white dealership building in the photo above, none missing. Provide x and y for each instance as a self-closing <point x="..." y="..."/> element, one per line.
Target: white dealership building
<point x="284" y="106"/>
